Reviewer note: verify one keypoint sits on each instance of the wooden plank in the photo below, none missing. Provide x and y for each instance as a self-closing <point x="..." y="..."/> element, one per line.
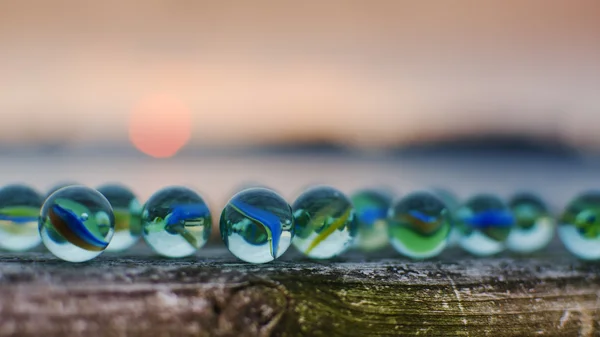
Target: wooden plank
<point x="139" y="294"/>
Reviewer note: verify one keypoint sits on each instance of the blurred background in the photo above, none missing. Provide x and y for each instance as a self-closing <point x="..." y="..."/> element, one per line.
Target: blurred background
<point x="472" y="95"/>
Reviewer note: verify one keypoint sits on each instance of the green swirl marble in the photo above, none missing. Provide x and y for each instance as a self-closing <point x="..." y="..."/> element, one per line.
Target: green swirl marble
<point x="371" y="208"/>
<point x="579" y="228"/>
<point x="19" y="211"/>
<point x="534" y="225"/>
<point x="324" y="221"/>
<point x="419" y="225"/>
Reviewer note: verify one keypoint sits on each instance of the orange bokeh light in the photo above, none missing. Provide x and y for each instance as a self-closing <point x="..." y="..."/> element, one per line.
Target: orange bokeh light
<point x="160" y="125"/>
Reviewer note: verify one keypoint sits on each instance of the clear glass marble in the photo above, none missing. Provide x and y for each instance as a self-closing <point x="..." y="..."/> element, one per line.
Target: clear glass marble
<point x="128" y="211"/>
<point x="534" y="225"/>
<point x="324" y="221"/>
<point x="485" y="223"/>
<point x="176" y="222"/>
<point x="371" y="208"/>
<point x="76" y="223"/>
<point x="19" y="212"/>
<point x="419" y="225"/>
<point x="579" y="227"/>
<point x="257" y="225"/>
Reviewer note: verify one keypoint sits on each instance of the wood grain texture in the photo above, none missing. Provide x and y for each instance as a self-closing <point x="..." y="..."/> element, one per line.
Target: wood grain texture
<point x="215" y="295"/>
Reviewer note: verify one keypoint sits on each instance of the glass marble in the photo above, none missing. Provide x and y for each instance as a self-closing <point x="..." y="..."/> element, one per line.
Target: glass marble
<point x="19" y="211"/>
<point x="419" y="225"/>
<point x="257" y="225"/>
<point x="176" y="222"/>
<point x="371" y="208"/>
<point x="534" y="225"/>
<point x="484" y="223"/>
<point x="579" y="227"/>
<point x="324" y="222"/>
<point x="76" y="223"/>
<point x="128" y="212"/>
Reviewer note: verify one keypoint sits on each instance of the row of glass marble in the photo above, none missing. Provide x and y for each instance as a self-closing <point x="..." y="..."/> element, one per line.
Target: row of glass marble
<point x="77" y="223"/>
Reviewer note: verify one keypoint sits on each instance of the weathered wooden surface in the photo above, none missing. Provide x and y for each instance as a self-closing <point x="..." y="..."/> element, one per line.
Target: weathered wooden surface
<point x="138" y="294"/>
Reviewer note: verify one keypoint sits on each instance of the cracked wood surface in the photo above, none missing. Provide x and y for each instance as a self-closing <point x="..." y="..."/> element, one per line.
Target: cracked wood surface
<point x="138" y="294"/>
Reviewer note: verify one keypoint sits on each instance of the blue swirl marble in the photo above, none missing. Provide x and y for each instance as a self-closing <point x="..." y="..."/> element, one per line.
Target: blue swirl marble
<point x="18" y="219"/>
<point x="181" y="213"/>
<point x="372" y="214"/>
<point x="269" y="220"/>
<point x="423" y="217"/>
<point x="72" y="227"/>
<point x="488" y="219"/>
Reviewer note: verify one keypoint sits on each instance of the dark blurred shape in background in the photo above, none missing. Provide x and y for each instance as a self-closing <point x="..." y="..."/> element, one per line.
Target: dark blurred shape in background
<point x="494" y="145"/>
